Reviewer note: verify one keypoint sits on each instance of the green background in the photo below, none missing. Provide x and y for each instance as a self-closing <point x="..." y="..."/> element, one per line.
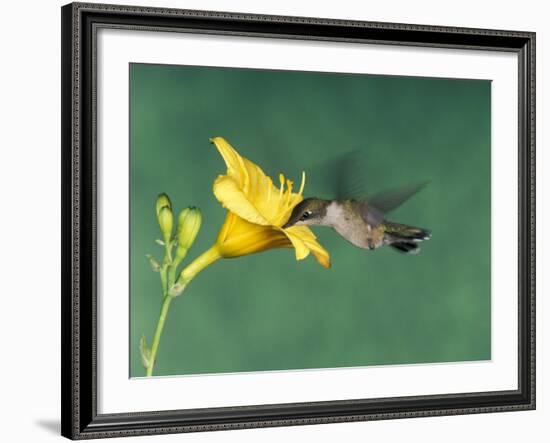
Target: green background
<point x="267" y="311"/>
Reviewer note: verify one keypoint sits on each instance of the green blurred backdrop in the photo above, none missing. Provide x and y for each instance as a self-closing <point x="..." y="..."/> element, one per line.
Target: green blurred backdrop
<point x="269" y="312"/>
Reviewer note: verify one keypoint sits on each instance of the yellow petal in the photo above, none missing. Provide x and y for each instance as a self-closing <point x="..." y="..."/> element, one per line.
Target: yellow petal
<point x="310" y="241"/>
<point x="240" y="237"/>
<point x="232" y="159"/>
<point x="250" y="179"/>
<point x="321" y="254"/>
<point x="232" y="197"/>
<point x="301" y="249"/>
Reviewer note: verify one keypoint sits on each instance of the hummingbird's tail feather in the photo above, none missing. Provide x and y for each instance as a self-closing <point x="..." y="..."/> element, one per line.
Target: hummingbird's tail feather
<point x="405" y="238"/>
<point x="406" y="247"/>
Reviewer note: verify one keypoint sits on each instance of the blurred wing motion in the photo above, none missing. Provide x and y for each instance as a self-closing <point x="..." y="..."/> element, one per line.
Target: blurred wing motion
<point x="343" y="176"/>
<point x="351" y="176"/>
<point x="389" y="200"/>
<point x="347" y="177"/>
<point x="375" y="208"/>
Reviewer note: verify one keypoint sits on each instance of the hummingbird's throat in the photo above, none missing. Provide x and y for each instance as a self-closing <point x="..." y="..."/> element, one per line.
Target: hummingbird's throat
<point x="334" y="216"/>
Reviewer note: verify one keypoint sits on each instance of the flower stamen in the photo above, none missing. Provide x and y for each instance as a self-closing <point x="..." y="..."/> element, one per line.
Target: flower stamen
<point x="289" y="184"/>
<point x="303" y="183"/>
<point x="282" y="182"/>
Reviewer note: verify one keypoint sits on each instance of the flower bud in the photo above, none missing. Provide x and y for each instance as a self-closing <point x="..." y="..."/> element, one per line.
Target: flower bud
<point x="189" y="224"/>
<point x="166" y="223"/>
<point x="162" y="201"/>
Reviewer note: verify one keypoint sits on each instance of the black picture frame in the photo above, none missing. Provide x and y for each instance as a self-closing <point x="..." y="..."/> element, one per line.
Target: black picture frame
<point x="79" y="211"/>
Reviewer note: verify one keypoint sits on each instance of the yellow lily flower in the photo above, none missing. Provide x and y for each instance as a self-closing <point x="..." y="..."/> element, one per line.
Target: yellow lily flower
<point x="257" y="210"/>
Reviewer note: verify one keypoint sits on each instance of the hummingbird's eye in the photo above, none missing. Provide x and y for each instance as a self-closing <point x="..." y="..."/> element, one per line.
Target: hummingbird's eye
<point x="305" y="215"/>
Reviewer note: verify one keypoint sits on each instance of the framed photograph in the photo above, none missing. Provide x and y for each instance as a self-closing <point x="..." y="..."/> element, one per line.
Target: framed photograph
<point x="273" y="221"/>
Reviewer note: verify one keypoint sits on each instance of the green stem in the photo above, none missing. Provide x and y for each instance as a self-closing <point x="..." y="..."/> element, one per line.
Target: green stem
<point x="158" y="333"/>
<point x="168" y="247"/>
<point x="172" y="274"/>
<point x="163" y="281"/>
<point x="202" y="261"/>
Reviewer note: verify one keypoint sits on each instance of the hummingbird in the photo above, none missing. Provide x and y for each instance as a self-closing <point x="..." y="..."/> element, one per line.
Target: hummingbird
<point x="362" y="222"/>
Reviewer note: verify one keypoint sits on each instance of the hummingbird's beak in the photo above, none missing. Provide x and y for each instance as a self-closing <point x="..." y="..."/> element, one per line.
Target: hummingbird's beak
<point x="288" y="224"/>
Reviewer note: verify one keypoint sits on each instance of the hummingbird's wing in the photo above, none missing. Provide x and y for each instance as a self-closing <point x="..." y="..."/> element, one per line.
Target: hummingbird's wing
<point x="370" y="214"/>
<point x="375" y="208"/>
<point x="350" y="176"/>
<point x="389" y="200"/>
<point x="343" y="176"/>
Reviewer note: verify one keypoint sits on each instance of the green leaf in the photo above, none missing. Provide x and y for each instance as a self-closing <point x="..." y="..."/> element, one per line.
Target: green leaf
<point x="154" y="264"/>
<point x="145" y="352"/>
